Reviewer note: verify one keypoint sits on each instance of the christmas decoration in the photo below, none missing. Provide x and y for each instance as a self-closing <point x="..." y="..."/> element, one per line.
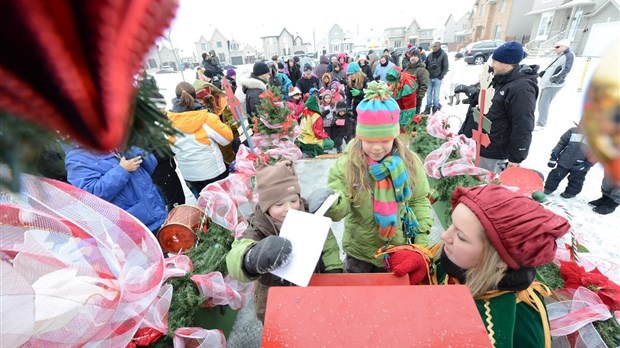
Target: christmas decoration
<point x="273" y="116"/>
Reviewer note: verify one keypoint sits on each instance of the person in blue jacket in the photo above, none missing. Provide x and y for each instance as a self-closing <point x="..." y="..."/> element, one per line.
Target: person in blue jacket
<point x="123" y="179"/>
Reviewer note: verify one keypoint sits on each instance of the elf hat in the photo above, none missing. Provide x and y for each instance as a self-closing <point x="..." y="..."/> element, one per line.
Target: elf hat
<point x="522" y="231"/>
<point x="275" y="183"/>
<point x="293" y="91"/>
<point x="393" y="74"/>
<point x="313" y="104"/>
<point x="377" y="114"/>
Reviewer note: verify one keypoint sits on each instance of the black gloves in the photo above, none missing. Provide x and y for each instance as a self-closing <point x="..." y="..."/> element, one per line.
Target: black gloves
<point x="553" y="160"/>
<point x="582" y="165"/>
<point x="316" y="198"/>
<point x="266" y="255"/>
<point x="325" y="113"/>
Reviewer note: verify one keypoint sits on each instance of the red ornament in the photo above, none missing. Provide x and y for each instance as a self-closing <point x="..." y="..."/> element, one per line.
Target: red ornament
<point x="71" y="63"/>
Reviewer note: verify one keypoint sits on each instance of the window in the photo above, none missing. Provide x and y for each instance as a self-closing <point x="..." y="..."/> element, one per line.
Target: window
<point x="218" y="44"/>
<point x="222" y="57"/>
<point x="152" y="63"/>
<point x="481" y="10"/>
<point x="502" y="6"/>
<point x="498" y="32"/>
<point x="204" y="46"/>
<point x="544" y="26"/>
<point x="397" y="43"/>
<point x="574" y="26"/>
<point x="284" y="51"/>
<point x="234" y="46"/>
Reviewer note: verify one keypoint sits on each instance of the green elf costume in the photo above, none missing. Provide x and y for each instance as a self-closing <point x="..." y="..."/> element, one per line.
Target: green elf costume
<point x="313" y="139"/>
<point x="523" y="233"/>
<point x="404" y="90"/>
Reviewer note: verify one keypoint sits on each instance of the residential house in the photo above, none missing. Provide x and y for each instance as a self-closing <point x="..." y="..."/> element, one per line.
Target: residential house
<point x="159" y="56"/>
<point x="284" y="44"/>
<point x="411" y="33"/>
<point x="395" y="36"/>
<point x="426" y="37"/>
<point x="339" y="40"/>
<point x="237" y="53"/>
<point x="588" y="24"/>
<point x="249" y="54"/>
<point x="455" y="32"/>
<point x="501" y="20"/>
<point x="215" y="41"/>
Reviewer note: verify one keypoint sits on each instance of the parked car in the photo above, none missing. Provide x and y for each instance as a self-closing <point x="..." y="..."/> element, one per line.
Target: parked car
<point x="166" y="70"/>
<point x="226" y="66"/>
<point x="480" y="51"/>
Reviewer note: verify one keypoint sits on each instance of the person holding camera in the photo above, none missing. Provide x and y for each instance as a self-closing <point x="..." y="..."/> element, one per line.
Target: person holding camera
<point x="553" y="79"/>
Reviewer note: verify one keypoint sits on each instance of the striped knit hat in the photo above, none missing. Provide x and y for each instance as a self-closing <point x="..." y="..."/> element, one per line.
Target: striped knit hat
<point x="377" y="114"/>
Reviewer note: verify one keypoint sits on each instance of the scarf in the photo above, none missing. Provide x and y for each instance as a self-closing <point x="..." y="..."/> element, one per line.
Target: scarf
<point x="391" y="187"/>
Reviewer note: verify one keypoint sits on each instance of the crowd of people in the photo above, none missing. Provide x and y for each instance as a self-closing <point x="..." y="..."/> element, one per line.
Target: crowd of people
<point x="362" y="107"/>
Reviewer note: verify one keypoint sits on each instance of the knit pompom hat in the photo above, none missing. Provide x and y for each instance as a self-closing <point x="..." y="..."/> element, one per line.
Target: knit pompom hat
<point x="509" y="53"/>
<point x="353" y="68"/>
<point x="377" y="114"/>
<point x="522" y="231"/>
<point x="293" y="91"/>
<point x="275" y="182"/>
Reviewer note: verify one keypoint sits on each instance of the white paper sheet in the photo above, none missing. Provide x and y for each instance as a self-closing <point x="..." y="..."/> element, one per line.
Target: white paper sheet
<point x="307" y="233"/>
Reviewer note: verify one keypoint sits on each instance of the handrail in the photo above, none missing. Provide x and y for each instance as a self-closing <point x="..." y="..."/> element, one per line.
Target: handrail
<point x="535" y="47"/>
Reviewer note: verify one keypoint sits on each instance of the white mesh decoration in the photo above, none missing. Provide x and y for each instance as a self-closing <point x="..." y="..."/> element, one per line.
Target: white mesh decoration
<point x="81" y="270"/>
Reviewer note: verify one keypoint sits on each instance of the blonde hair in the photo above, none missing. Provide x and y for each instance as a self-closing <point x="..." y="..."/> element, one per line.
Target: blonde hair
<point x="489" y="271"/>
<point x="356" y="166"/>
<point x="357" y="81"/>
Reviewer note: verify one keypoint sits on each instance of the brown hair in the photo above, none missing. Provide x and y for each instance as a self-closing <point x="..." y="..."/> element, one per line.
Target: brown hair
<point x="186" y="94"/>
<point x="327" y="77"/>
<point x="356" y="166"/>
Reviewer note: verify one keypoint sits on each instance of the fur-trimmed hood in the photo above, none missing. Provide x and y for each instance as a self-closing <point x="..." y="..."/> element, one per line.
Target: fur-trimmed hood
<point x="252" y="83"/>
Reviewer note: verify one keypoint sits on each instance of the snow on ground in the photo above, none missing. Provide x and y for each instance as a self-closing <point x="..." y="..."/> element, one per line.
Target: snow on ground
<point x="599" y="233"/>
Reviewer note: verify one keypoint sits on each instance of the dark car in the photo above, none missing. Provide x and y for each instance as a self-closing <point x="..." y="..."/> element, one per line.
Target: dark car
<point x="479" y="52"/>
<point x="226" y="66"/>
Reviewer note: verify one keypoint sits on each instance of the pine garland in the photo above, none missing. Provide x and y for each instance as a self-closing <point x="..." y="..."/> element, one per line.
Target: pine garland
<point x="549" y="274"/>
<point x="422" y="142"/>
<point x="208" y="256"/>
<point x="273" y="116"/>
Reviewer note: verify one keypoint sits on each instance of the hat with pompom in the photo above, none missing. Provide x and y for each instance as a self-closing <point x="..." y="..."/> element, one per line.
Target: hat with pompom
<point x="353" y="68"/>
<point x="313" y="104"/>
<point x="377" y="114"/>
<point x="293" y="91"/>
<point x="522" y="231"/>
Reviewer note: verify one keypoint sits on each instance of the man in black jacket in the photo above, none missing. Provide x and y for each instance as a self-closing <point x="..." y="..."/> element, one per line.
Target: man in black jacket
<point x="437" y="66"/>
<point x="512" y="110"/>
<point x="253" y="87"/>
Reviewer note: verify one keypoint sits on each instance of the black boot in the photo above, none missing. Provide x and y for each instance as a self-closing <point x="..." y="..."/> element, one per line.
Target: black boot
<point x="434" y="109"/>
<point x="606" y="208"/>
<point x="567" y="195"/>
<point x="427" y="110"/>
<point x="599" y="202"/>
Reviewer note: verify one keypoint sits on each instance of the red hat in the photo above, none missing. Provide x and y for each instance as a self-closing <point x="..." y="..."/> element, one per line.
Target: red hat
<point x="409" y="45"/>
<point x="522" y="231"/>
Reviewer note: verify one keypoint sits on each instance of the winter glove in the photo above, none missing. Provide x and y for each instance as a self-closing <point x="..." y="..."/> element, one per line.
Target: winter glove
<point x="325" y="113"/>
<point x="355" y="92"/>
<point x="582" y="165"/>
<point x="552" y="163"/>
<point x="408" y="261"/>
<point x="266" y="255"/>
<point x="317" y="198"/>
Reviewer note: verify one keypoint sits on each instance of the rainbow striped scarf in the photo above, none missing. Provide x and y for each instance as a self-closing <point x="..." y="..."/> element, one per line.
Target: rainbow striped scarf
<point x="391" y="187"/>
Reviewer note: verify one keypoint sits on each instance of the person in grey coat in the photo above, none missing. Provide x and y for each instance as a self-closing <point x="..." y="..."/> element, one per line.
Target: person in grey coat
<point x="553" y="79"/>
<point x="568" y="158"/>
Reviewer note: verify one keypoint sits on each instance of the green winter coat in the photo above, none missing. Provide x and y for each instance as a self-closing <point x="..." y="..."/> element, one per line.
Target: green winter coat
<point x="509" y="321"/>
<point x="361" y="238"/>
<point x="421" y="75"/>
<point x="261" y="226"/>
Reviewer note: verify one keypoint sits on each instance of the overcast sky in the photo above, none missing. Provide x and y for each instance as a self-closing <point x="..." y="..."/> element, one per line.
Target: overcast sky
<point x="247" y="20"/>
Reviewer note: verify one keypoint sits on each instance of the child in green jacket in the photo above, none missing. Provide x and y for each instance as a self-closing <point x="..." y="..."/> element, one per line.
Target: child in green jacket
<point x="260" y="249"/>
<point x="496" y="240"/>
<point x="382" y="186"/>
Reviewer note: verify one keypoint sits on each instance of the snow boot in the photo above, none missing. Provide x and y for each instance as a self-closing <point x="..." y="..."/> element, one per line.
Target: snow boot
<point x="450" y="100"/>
<point x="606" y="208"/>
<point x="599" y="202"/>
<point x="566" y="195"/>
<point x="435" y="109"/>
<point x="427" y="110"/>
<point x="548" y="192"/>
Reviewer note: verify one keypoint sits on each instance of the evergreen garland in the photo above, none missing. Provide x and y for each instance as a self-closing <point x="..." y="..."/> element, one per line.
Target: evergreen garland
<point x="273" y="116"/>
<point x="422" y="143"/>
<point x="208" y="256"/>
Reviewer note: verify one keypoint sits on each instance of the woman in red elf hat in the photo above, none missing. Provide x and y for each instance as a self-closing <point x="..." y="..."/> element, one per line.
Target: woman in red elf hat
<point x="496" y="240"/>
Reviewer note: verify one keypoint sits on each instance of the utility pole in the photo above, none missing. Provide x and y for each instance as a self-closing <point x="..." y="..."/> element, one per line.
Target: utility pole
<point x="176" y="57"/>
<point x="314" y="42"/>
